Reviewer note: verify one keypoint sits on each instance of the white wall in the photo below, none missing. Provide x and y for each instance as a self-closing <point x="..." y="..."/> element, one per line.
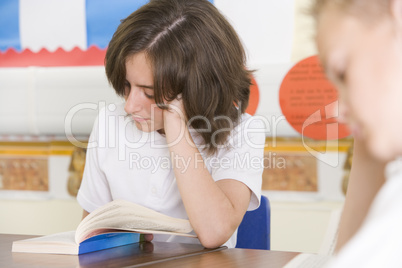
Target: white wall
<point x="39" y="217"/>
<point x="37" y="100"/>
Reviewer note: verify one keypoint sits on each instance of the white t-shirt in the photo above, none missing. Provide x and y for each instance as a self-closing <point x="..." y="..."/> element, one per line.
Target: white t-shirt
<point x="378" y="243"/>
<point x="125" y="163"/>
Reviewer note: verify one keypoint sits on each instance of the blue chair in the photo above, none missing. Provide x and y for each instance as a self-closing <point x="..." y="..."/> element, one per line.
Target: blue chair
<point x="254" y="230"/>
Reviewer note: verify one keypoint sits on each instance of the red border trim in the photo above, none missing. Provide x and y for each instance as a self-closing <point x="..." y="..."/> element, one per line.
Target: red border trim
<point x="94" y="56"/>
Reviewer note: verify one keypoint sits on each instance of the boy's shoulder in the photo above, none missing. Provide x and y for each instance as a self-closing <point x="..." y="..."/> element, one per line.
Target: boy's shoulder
<point x="112" y="109"/>
<point x="250" y="130"/>
<point x="251" y="121"/>
<point x="249" y="124"/>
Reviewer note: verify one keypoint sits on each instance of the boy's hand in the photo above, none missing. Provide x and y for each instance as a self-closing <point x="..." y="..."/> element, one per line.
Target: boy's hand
<point x="146" y="237"/>
<point x="175" y="111"/>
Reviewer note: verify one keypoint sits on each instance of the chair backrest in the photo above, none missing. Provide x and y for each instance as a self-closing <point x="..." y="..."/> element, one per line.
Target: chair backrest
<point x="254" y="230"/>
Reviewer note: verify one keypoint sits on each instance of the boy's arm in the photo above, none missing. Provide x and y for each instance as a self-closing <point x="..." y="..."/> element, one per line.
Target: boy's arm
<point x="366" y="178"/>
<point x="215" y="209"/>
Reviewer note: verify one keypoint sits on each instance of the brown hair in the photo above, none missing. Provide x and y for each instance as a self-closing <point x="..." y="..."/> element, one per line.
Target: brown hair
<point x="367" y="9"/>
<point x="193" y="51"/>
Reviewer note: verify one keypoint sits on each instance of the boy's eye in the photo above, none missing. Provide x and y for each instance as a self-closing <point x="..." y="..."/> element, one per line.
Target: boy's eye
<point x="148" y="94"/>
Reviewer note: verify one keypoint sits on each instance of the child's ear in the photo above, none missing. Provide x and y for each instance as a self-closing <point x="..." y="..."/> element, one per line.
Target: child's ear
<point x="396" y="11"/>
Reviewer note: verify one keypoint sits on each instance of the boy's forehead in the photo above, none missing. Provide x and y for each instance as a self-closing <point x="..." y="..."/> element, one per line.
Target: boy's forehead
<point x="139" y="69"/>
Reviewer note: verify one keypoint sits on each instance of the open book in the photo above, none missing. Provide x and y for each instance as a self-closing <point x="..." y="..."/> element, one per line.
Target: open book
<point x="114" y="224"/>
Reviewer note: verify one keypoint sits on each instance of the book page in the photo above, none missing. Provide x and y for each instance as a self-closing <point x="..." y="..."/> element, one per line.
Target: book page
<point x="124" y="215"/>
<point x="60" y="243"/>
<point x="59" y="238"/>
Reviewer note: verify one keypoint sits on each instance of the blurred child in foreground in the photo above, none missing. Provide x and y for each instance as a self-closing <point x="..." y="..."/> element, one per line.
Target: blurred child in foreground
<point x="360" y="46"/>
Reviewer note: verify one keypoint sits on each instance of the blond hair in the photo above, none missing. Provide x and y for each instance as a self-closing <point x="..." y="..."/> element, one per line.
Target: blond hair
<point x="366" y="9"/>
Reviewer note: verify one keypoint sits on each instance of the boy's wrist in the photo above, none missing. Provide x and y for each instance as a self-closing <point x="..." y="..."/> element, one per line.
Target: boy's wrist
<point x="175" y="128"/>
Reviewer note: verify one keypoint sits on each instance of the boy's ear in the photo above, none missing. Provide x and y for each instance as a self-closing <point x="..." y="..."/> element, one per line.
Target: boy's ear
<point x="396" y="11"/>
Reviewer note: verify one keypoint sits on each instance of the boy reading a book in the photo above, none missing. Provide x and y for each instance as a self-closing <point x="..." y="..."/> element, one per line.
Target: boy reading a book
<point x="360" y="45"/>
<point x="181" y="144"/>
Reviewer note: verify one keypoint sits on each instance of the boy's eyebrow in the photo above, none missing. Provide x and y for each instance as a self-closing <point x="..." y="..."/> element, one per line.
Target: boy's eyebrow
<point x="145" y="86"/>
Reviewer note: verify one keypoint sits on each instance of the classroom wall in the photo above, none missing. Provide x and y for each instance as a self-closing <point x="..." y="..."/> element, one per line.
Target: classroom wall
<point x="38" y="99"/>
<point x="41" y="99"/>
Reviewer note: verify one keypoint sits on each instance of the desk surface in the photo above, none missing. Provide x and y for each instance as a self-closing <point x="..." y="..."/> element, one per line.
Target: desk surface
<point x="153" y="254"/>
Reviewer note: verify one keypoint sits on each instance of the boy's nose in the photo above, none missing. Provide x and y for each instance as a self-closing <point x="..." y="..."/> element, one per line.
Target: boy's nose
<point x="133" y="103"/>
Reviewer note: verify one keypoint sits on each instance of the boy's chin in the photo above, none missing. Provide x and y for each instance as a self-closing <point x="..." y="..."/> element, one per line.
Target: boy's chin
<point x="148" y="129"/>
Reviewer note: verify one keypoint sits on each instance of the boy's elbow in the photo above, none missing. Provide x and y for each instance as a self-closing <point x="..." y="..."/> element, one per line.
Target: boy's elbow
<point x="214" y="238"/>
<point x="210" y="242"/>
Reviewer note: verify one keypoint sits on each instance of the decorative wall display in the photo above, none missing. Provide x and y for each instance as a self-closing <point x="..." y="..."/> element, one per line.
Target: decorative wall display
<point x="309" y="101"/>
<point x="24" y="173"/>
<point x="346" y="169"/>
<point x="76" y="170"/>
<point x="34" y="169"/>
<point x="83" y="25"/>
<point x="290" y="172"/>
<point x="78" y="34"/>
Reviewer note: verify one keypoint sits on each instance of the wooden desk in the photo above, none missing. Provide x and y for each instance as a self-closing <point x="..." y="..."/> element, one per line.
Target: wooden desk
<point x="149" y="254"/>
<point x="233" y="258"/>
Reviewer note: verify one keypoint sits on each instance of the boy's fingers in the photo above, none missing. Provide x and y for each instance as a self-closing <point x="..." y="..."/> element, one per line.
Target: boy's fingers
<point x="148" y="237"/>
